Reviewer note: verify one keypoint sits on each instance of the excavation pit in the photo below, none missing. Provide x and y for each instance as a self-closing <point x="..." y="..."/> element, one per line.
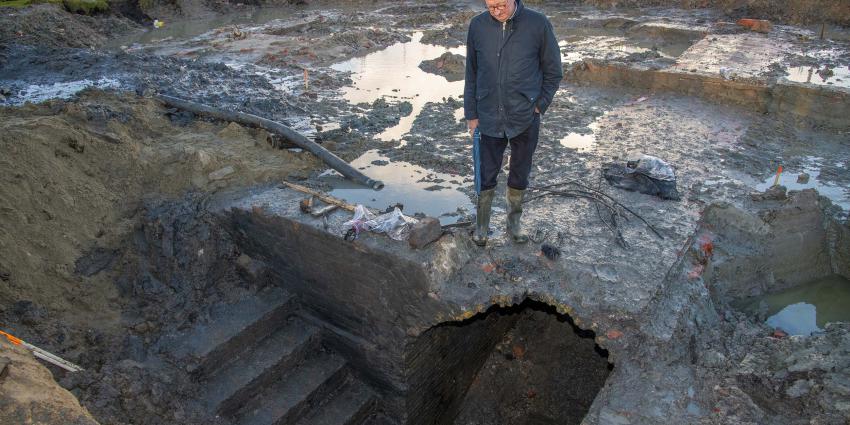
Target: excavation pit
<point x="544" y="370"/>
<point x="785" y="266"/>
<point x="429" y="362"/>
<point x="157" y="252"/>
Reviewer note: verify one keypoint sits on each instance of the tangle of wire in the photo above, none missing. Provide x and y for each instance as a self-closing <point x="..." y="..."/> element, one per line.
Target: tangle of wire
<point x="602" y="202"/>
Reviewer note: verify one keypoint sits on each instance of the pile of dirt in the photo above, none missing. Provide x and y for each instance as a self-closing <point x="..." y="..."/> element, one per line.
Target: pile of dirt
<point x="100" y="250"/>
<point x="74" y="174"/>
<point x="51" y="25"/>
<point x="28" y="393"/>
<point x="792" y="11"/>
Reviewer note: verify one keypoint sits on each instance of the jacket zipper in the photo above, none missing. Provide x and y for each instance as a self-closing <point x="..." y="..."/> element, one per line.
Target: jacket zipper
<point x="499" y="76"/>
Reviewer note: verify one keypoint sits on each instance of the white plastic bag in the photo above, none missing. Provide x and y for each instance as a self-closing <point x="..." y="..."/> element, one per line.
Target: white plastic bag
<point x="651" y="166"/>
<point x="395" y="224"/>
<point x="361" y="218"/>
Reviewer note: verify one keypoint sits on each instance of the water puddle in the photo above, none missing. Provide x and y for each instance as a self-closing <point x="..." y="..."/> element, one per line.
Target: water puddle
<point x="578" y="141"/>
<point x="838" y="76"/>
<point x="394" y="73"/>
<point x="805" y="309"/>
<point x="41" y="92"/>
<point x="418" y="189"/>
<point x="837" y="194"/>
<point x="582" y="142"/>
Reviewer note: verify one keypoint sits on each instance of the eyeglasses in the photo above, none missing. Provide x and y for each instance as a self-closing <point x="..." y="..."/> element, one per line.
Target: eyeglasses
<point x="498" y="7"/>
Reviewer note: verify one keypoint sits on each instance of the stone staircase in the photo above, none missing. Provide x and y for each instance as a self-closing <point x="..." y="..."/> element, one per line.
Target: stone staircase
<point x="266" y="365"/>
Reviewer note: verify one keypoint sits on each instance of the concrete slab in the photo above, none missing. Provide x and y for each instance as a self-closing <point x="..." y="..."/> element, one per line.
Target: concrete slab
<point x="738" y="56"/>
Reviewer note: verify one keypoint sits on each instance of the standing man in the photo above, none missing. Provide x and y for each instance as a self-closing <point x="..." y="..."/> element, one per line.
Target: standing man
<point x="513" y="68"/>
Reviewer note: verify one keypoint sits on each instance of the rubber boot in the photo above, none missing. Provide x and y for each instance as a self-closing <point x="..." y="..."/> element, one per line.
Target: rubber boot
<point x="514" y="215"/>
<point x="482" y="217"/>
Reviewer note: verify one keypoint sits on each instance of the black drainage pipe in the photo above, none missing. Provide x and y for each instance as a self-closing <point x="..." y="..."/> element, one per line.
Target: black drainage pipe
<point x="289" y="134"/>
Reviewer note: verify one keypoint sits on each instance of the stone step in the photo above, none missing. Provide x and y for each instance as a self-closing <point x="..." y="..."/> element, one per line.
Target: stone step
<point x="284" y="402"/>
<point x="245" y="376"/>
<point x="350" y="405"/>
<point x="230" y="329"/>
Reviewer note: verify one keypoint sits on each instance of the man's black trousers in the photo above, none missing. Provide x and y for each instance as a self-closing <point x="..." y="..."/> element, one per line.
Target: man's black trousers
<point x="522" y="150"/>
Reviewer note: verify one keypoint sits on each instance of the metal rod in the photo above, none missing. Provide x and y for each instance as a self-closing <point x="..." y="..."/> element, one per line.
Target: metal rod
<point x="323" y="197"/>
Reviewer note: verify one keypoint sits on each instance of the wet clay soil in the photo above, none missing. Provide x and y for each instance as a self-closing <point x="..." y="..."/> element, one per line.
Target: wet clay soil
<point x="105" y="243"/>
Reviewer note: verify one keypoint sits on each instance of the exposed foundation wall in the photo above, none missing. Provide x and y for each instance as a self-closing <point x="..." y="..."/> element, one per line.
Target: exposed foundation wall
<point x="374" y="304"/>
<point x="443" y="361"/>
<point x="793" y="11"/>
<point x="367" y="297"/>
<point x="811" y="106"/>
<point x="748" y="95"/>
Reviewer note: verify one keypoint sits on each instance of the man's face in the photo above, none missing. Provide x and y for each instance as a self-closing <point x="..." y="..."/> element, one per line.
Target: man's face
<point x="501" y="9"/>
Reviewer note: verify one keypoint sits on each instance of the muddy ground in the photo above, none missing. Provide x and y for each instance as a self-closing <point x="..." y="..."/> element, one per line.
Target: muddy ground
<point x="105" y="244"/>
<point x="89" y="177"/>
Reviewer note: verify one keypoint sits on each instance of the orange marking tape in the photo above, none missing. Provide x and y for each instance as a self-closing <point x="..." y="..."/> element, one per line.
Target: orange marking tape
<point x="13" y="339"/>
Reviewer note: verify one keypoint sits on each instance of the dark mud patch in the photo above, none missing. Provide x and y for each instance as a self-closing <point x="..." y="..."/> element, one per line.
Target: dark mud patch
<point x="378" y="116"/>
<point x="453" y="36"/>
<point x="424" y="15"/>
<point x="448" y="65"/>
<point x="438" y="139"/>
<point x="366" y="40"/>
<point x="34" y="73"/>
<point x="95" y="261"/>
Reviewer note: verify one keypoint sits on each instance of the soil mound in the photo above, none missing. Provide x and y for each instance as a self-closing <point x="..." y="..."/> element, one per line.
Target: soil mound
<point x="73" y="177"/>
<point x="79" y="179"/>
<point x="51" y="25"/>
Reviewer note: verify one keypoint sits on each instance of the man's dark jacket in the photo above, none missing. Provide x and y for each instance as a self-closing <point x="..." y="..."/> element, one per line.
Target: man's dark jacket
<point x="510" y="69"/>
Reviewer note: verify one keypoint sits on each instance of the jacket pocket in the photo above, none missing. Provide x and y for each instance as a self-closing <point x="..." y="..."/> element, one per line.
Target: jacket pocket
<point x="530" y="94"/>
<point x="488" y="104"/>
